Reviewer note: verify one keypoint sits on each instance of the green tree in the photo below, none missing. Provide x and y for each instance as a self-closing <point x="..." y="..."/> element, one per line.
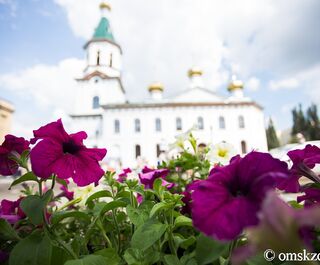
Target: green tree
<point x="299" y="121"/>
<point x="272" y="139"/>
<point x="312" y="123"/>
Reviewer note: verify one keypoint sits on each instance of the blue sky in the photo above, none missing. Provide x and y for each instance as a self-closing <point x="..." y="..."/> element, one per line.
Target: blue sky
<point x="273" y="46"/>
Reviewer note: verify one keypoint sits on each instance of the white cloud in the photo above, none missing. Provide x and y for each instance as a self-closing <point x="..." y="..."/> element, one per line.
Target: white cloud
<point x="162" y="39"/>
<point x="253" y="84"/>
<point x="289" y="83"/>
<point x="45" y="90"/>
<point x="48" y="85"/>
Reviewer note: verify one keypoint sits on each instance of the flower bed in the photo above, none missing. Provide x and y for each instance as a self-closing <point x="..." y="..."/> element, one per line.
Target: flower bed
<point x="187" y="211"/>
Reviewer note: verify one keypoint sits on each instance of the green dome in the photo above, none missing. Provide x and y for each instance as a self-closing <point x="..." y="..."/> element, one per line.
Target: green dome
<point x="103" y="30"/>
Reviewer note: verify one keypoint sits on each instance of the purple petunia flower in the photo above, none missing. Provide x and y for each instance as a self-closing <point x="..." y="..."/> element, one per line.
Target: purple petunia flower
<point x="123" y="176"/>
<point x="311" y="196"/>
<point x="187" y="197"/>
<point x="11" y="146"/>
<point x="148" y="176"/>
<point x="11" y="211"/>
<point x="66" y="193"/>
<point x="65" y="155"/>
<point x="228" y="201"/>
<point x="282" y="229"/>
<point x="303" y="161"/>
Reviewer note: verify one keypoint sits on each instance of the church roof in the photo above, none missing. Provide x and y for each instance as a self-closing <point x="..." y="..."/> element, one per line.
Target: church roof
<point x="103" y="31"/>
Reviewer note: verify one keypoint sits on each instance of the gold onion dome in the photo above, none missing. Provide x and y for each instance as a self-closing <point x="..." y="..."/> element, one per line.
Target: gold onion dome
<point x="235" y="84"/>
<point x="104" y="5"/>
<point x="194" y="71"/>
<point x="155" y="87"/>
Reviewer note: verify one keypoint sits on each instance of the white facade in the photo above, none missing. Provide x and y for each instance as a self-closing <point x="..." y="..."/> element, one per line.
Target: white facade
<point x="141" y="129"/>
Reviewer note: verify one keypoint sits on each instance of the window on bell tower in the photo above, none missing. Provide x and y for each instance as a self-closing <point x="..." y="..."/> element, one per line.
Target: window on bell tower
<point x="98" y="57"/>
<point x="110" y="60"/>
<point x="95" y="102"/>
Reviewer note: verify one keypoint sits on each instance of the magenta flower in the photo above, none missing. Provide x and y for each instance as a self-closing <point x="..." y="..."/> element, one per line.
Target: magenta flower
<point x="281" y="228"/>
<point x="123" y="176"/>
<point x="12" y="146"/>
<point x="148" y="176"/>
<point x="228" y="201"/>
<point x="65" y="155"/>
<point x="187" y="197"/>
<point x="11" y="211"/>
<point x="303" y="161"/>
<point x="66" y="193"/>
<point x="311" y="196"/>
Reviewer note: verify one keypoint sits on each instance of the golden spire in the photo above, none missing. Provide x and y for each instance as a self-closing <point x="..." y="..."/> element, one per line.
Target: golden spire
<point x="235" y="84"/>
<point x="155" y="86"/>
<point x="194" y="71"/>
<point x="104" y="5"/>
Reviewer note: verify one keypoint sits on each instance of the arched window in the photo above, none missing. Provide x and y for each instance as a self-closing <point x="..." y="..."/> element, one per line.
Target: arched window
<point x="116" y="126"/>
<point x="200" y="123"/>
<point x="243" y="147"/>
<point x="222" y="123"/>
<point x="98" y="57"/>
<point x="158" y="150"/>
<point x="95" y="102"/>
<point x="241" y="122"/>
<point x="178" y="124"/>
<point x="158" y="125"/>
<point x="138" y="150"/>
<point x="110" y="60"/>
<point x="137" y="126"/>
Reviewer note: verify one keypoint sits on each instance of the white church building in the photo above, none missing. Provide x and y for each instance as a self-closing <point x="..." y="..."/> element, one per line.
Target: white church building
<point x="144" y="130"/>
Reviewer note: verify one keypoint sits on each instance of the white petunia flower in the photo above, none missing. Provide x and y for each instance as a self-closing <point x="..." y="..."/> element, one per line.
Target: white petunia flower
<point x="221" y="153"/>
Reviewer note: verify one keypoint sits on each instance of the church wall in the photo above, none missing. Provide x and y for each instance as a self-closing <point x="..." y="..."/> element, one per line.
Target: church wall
<point x="253" y="133"/>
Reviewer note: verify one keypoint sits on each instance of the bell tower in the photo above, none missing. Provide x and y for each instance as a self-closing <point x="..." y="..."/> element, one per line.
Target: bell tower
<point x="101" y="81"/>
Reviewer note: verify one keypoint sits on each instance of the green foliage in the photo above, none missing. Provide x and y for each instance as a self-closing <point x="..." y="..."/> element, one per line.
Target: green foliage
<point x="35" y="249"/>
<point x="34" y="207"/>
<point x="88" y="260"/>
<point x="307" y="124"/>
<point x="7" y="232"/>
<point x="209" y="250"/>
<point x="272" y="138"/>
<point x="26" y="177"/>
<point x="147" y="234"/>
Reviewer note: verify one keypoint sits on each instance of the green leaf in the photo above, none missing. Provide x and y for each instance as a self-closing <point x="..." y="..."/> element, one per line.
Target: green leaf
<point x="35" y="249"/>
<point x="59" y="256"/>
<point x="111" y="206"/>
<point x="110" y="255"/>
<point x="171" y="260"/>
<point x="182" y="221"/>
<point x="57" y="217"/>
<point x="97" y="195"/>
<point x="26" y="177"/>
<point x="138" y="257"/>
<point x="137" y="216"/>
<point x="88" y="260"/>
<point x="147" y="234"/>
<point x="209" y="250"/>
<point x="260" y="260"/>
<point x="7" y="232"/>
<point x="184" y="242"/>
<point x="33" y="206"/>
<point x="160" y="206"/>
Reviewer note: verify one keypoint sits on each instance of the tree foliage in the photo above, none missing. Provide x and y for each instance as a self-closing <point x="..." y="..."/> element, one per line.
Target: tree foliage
<point x="307" y="123"/>
<point x="272" y="139"/>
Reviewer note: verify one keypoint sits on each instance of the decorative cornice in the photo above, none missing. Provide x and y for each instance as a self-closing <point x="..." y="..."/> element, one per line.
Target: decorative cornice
<point x="180" y="104"/>
<point x="102" y="76"/>
<point x="102" y="40"/>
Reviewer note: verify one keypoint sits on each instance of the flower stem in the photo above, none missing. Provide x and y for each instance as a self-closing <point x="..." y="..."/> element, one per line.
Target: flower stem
<point x="233" y="245"/>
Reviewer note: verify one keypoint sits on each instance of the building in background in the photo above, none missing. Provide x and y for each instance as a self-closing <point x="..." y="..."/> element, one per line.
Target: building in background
<point x="144" y="130"/>
<point x="6" y="110"/>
